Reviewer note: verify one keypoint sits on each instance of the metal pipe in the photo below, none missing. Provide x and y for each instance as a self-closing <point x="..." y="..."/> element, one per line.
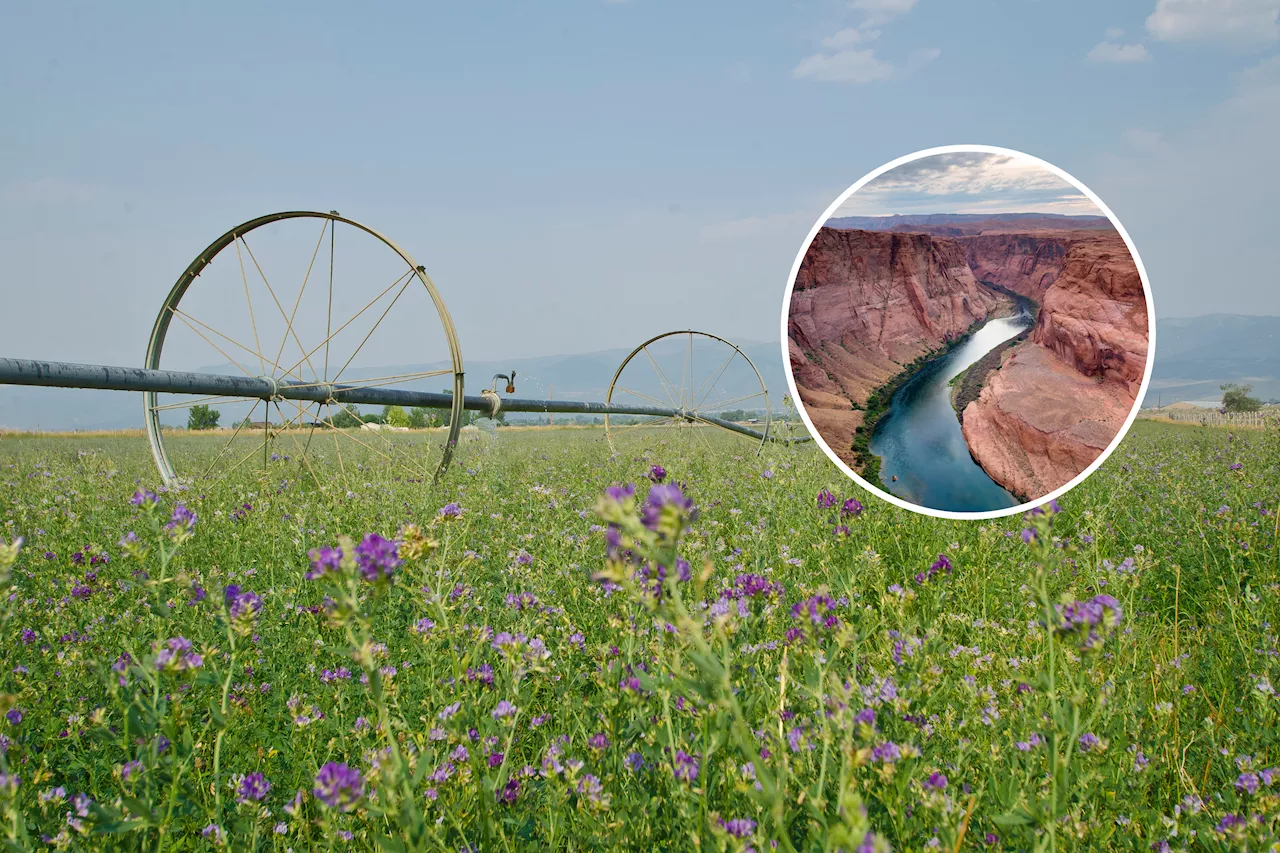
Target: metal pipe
<point x="58" y="374"/>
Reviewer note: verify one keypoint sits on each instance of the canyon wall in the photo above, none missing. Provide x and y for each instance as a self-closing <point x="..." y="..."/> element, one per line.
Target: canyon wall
<point x="1060" y="398"/>
<point x="866" y="304"/>
<point x="1027" y="264"/>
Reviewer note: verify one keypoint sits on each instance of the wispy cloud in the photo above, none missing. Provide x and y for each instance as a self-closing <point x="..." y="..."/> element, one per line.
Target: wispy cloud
<point x="1108" y="51"/>
<point x="847" y="59"/>
<point x="845" y="66"/>
<point x="1238" y="22"/>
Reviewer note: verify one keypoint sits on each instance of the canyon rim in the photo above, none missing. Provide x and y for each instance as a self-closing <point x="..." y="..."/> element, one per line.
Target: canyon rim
<point x="968" y="331"/>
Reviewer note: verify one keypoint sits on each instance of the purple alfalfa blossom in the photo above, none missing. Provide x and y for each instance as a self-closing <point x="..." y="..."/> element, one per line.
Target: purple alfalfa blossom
<point x="230" y="592"/>
<point x="666" y="499"/>
<point x="198" y="595"/>
<point x="685" y="766"/>
<point x="183" y="520"/>
<point x="144" y="498"/>
<point x="739" y="827"/>
<point x="338" y="786"/>
<point x="323" y="561"/>
<point x="754" y="586"/>
<point x="1089" y="742"/>
<point x="621" y="494"/>
<point x="599" y="740"/>
<point x="826" y="500"/>
<point x="176" y="655"/>
<point x="245" y="607"/>
<point x="936" y="782"/>
<point x="1236" y="466"/>
<point x="129" y="769"/>
<point x="215" y="832"/>
<point x="28" y="636"/>
<point x="635" y="762"/>
<point x="14" y="716"/>
<point x="422" y="627"/>
<point x="252" y="788"/>
<point x="657" y="473"/>
<point x="886" y="753"/>
<point x="1232" y="825"/>
<point x="509" y="793"/>
<point x="818" y="610"/>
<point x="377" y="558"/>
<point x="504" y="709"/>
<point x="851" y="508"/>
<point x="767" y="473"/>
<point x="1091" y="621"/>
<point x="1248" y="783"/>
<point x="449" y="510"/>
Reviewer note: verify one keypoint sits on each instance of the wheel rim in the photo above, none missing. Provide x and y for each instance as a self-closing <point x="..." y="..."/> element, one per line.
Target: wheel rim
<point x="704" y="363"/>
<point x="251" y="354"/>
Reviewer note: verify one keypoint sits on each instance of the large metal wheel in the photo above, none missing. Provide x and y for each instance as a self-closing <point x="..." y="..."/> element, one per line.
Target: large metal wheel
<point x="240" y="318"/>
<point x="715" y="378"/>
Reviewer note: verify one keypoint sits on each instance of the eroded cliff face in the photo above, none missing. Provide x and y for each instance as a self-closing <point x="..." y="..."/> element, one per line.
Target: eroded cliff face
<point x="865" y="305"/>
<point x="1024" y="263"/>
<point x="1060" y="398"/>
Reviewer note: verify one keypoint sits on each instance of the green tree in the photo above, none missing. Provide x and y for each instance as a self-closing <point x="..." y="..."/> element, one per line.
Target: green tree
<point x="420" y="417"/>
<point x="343" y="419"/>
<point x="1235" y="398"/>
<point x="395" y="416"/>
<point x="202" y="417"/>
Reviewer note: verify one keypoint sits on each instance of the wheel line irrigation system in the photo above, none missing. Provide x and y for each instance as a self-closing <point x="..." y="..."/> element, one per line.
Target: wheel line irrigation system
<point x="688" y="407"/>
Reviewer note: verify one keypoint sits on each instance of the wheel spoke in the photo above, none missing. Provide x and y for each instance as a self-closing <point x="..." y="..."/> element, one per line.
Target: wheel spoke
<point x="247" y="419"/>
<point x="298" y="301"/>
<point x="688" y="359"/>
<point x="199" y="401"/>
<point x="662" y="378"/>
<point x="328" y="322"/>
<point x="188" y="319"/>
<point x="653" y="400"/>
<point x="302" y="452"/>
<point x="403" y="288"/>
<point x="713" y="379"/>
<point x="732" y="400"/>
<point x="252" y="320"/>
<point x="280" y="308"/>
<point x="334" y="334"/>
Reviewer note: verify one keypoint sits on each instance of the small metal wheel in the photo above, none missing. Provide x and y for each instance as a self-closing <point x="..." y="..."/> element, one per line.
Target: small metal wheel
<point x="307" y="305"/>
<point x="708" y="381"/>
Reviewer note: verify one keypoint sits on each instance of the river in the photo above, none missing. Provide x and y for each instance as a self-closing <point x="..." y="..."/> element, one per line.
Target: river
<point x="919" y="438"/>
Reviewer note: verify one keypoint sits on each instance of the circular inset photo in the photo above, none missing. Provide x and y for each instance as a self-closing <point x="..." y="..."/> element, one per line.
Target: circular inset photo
<point x="968" y="331"/>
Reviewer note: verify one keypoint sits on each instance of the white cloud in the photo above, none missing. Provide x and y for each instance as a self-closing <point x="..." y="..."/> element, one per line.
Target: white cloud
<point x="1114" y="32"/>
<point x="923" y="56"/>
<point x="1111" y="52"/>
<point x="845" y="66"/>
<point x="845" y="62"/>
<point x="1232" y="21"/>
<point x="967" y="182"/>
<point x="850" y="36"/>
<point x="1141" y="139"/>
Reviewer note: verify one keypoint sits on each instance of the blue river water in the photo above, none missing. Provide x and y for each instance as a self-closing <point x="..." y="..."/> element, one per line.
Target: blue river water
<point x="919" y="439"/>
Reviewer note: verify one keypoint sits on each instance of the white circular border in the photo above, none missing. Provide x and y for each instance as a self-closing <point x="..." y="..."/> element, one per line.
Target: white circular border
<point x="1151" y="333"/>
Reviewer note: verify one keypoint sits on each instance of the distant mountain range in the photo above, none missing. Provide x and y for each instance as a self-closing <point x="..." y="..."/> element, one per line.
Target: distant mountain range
<point x="961" y="224"/>
<point x="583" y="376"/>
<point x="1194" y="355"/>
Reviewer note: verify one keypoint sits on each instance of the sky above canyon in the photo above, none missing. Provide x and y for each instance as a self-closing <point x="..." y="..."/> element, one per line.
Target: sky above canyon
<point x="968" y="182"/>
<point x="580" y="176"/>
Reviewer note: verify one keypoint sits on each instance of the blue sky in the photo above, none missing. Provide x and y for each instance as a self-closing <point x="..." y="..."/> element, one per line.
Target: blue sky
<point x="582" y="175"/>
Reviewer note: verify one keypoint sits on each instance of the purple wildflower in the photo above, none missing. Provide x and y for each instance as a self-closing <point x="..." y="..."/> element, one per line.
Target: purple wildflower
<point x="338" y="786"/>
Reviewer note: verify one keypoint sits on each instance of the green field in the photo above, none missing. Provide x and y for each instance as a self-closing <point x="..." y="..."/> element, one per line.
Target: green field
<point x="1100" y="678"/>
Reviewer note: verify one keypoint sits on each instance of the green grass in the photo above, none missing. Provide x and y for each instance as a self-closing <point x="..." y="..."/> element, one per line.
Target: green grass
<point x="621" y="693"/>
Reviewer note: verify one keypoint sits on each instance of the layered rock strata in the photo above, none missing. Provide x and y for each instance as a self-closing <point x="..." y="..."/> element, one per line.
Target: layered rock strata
<point x="864" y="306"/>
<point x="1059" y="399"/>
